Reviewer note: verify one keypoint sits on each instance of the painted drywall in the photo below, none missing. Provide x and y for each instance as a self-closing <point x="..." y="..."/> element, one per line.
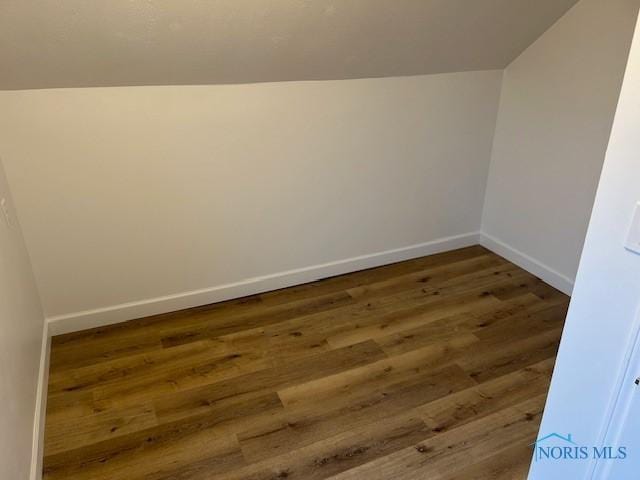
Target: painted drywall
<point x="21" y="338"/>
<point x="130" y="194"/>
<point x="604" y="309"/>
<point x="556" y="109"/>
<point x="79" y="43"/>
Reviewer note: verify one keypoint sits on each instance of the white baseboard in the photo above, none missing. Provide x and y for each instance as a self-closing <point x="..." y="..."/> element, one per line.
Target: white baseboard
<point x="73" y="322"/>
<point x="530" y="264"/>
<point x="37" y="451"/>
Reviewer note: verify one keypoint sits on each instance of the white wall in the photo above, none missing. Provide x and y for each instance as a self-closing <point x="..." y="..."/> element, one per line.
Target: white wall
<point x="604" y="309"/>
<point x="130" y="194"/>
<point x="21" y="332"/>
<point x="556" y="108"/>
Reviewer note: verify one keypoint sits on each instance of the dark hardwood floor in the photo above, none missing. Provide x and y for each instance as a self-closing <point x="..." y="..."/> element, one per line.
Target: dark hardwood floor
<point x="435" y="368"/>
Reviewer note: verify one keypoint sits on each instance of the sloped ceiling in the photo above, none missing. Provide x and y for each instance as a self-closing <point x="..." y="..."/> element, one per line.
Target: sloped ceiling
<point x="82" y="43"/>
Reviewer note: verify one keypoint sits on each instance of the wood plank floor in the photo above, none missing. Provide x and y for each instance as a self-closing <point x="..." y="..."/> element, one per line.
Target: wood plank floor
<point x="435" y="368"/>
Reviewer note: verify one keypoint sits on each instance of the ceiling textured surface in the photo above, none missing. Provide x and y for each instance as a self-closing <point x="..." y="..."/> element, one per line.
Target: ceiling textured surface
<point x="81" y="43"/>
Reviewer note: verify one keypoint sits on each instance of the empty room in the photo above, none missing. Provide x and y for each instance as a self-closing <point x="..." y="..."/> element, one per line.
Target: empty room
<point x="319" y="239"/>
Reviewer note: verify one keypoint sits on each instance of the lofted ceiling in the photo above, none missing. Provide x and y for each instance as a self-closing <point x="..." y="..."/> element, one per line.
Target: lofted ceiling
<point x="82" y="43"/>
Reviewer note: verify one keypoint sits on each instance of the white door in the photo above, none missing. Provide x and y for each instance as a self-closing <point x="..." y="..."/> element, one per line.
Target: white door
<point x="624" y="429"/>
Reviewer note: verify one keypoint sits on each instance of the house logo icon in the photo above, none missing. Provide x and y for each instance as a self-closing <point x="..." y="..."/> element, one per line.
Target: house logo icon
<point x="568" y="438"/>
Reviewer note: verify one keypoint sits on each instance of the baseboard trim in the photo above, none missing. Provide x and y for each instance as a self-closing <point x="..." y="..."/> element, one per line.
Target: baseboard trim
<point x="73" y="322"/>
<point x="530" y="264"/>
<point x="37" y="450"/>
